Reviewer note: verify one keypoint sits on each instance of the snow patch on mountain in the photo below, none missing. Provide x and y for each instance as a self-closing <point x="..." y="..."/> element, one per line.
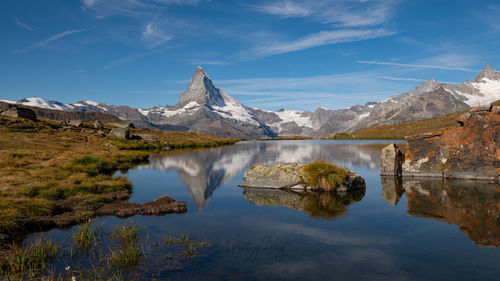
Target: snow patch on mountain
<point x="295" y="116"/>
<point x="9" y="101"/>
<point x="364" y="115"/>
<point x="189" y="108"/>
<point x="43" y="103"/>
<point x="233" y="109"/>
<point x="490" y="90"/>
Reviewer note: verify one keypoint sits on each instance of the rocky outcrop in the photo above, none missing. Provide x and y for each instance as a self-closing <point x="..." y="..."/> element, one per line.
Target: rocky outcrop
<point x="471" y="151"/>
<point x="19" y="112"/>
<point x="146" y="137"/>
<point x="291" y="176"/>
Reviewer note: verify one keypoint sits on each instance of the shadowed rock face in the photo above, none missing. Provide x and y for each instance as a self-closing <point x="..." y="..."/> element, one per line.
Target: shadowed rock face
<point x="471" y="205"/>
<point x="470" y="151"/>
<point x="325" y="205"/>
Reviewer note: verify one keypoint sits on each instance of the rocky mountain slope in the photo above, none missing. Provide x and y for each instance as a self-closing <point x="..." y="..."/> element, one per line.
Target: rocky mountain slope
<point x="204" y="108"/>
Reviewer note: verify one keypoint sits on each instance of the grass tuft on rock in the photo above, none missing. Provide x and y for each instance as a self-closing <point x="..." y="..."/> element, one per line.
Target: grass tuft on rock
<point x="325" y="176"/>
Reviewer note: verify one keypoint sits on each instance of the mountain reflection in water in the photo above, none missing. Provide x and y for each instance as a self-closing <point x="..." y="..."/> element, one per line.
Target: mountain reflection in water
<point x="473" y="206"/>
<point x="202" y="171"/>
<point x="325" y="205"/>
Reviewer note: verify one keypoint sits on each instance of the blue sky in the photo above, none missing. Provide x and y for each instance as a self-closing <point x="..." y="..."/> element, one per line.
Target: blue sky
<point x="268" y="54"/>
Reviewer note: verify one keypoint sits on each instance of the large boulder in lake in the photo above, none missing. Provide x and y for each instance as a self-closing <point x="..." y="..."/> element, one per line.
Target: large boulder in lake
<point x="291" y="176"/>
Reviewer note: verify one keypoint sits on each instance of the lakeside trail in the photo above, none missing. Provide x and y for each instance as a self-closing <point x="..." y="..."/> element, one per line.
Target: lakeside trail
<point x="58" y="176"/>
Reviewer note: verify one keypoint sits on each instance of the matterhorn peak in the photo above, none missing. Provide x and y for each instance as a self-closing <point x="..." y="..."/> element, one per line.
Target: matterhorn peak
<point x="201" y="72"/>
<point x="488" y="73"/>
<point x="201" y="90"/>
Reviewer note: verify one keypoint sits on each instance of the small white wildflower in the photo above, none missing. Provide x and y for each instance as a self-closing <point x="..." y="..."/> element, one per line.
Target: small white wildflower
<point x="67" y="268"/>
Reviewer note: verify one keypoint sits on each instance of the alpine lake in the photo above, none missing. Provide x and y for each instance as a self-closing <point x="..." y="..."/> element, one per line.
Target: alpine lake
<point x="406" y="229"/>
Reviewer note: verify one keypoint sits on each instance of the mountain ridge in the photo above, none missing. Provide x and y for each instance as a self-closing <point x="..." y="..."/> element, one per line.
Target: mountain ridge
<point x="204" y="108"/>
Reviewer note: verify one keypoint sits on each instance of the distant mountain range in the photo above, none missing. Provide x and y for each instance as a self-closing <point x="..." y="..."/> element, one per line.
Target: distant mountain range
<point x="204" y="108"/>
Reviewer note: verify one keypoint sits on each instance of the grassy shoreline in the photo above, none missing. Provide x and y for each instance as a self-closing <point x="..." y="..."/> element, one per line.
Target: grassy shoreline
<point x="59" y="176"/>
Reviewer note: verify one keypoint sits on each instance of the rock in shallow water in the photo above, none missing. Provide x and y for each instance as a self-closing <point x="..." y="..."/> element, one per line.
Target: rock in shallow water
<point x="290" y="176"/>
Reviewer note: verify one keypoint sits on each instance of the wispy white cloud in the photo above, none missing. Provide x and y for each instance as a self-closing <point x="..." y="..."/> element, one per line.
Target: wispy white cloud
<point x="209" y="62"/>
<point x="317" y="39"/>
<point x="23" y="25"/>
<point x="401" y="79"/>
<point x="160" y="92"/>
<point x="330" y="91"/>
<point x="284" y="9"/>
<point x="108" y="8"/>
<point x="489" y="16"/>
<point x="153" y="35"/>
<point x="130" y="8"/>
<point x="344" y="13"/>
<point x="52" y="38"/>
<point x="137" y="56"/>
<point x="418" y="66"/>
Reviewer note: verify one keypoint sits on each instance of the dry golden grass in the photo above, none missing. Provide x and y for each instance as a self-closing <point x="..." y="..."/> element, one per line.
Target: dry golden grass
<point x="41" y="164"/>
<point x="324" y="176"/>
<point x="400" y="131"/>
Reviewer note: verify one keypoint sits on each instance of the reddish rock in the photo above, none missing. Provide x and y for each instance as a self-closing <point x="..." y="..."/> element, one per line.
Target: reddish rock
<point x="471" y="151"/>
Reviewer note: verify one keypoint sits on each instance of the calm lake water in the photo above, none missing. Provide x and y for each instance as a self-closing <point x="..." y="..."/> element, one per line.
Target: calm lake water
<point x="410" y="230"/>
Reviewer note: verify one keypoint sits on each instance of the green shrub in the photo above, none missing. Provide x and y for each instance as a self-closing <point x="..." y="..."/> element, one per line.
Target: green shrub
<point x="324" y="176"/>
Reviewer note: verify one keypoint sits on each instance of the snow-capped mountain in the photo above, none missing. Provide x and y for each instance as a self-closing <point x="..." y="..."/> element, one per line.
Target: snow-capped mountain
<point x="41" y="102"/>
<point x="204" y="108"/>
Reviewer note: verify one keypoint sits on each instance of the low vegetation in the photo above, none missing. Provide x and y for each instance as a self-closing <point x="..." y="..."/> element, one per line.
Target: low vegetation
<point x="50" y="173"/>
<point x="117" y="255"/>
<point x="87" y="236"/>
<point x="128" y="253"/>
<point x="28" y="261"/>
<point x="323" y="175"/>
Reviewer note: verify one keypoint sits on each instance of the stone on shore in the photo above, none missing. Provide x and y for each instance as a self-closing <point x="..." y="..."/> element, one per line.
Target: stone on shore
<point x="121" y="133"/>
